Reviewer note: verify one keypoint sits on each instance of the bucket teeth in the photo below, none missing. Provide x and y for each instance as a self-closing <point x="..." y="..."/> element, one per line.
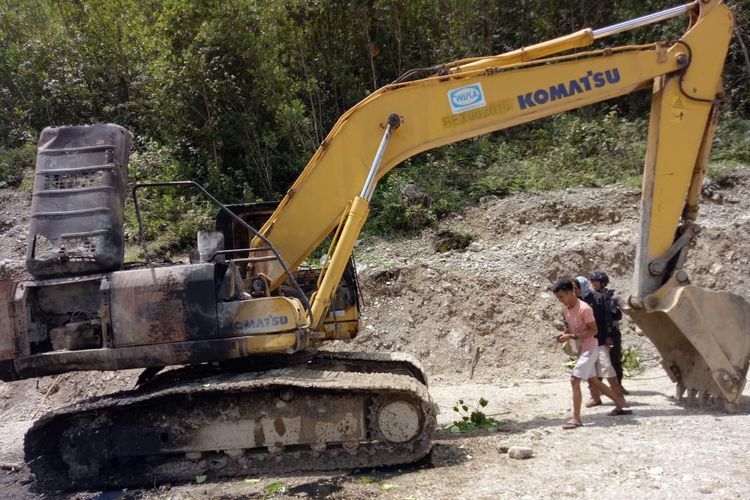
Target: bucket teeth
<point x="679" y="390"/>
<point x="730" y="407"/>
<point x="704" y="400"/>
<point x="692" y="395"/>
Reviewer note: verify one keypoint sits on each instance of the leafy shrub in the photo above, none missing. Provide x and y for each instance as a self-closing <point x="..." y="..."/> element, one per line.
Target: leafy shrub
<point x="732" y="140"/>
<point x="631" y="362"/>
<point x="449" y="240"/>
<point x="471" y="419"/>
<point x="15" y="163"/>
<point x="723" y="173"/>
<point x="171" y="217"/>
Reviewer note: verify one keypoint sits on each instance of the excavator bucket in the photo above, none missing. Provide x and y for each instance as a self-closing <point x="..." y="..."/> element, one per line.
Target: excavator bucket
<point x="703" y="337"/>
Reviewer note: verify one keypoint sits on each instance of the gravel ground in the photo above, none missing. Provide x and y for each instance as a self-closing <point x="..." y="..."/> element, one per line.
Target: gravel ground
<point x="664" y="450"/>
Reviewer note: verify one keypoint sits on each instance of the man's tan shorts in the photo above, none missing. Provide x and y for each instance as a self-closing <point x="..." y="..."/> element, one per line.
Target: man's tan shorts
<point x="604" y="368"/>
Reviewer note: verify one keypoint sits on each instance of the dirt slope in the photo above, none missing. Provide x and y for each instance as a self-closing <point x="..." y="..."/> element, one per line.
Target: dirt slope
<point x="14" y="219"/>
<point x="484" y="311"/>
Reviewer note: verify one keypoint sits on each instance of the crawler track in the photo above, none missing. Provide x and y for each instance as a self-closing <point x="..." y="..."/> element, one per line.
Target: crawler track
<point x="336" y="411"/>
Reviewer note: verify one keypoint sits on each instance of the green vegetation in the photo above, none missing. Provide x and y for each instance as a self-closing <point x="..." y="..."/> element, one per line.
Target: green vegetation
<point x="631" y="362"/>
<point x="275" y="488"/>
<point x="471" y="419"/>
<point x="450" y="240"/>
<point x="238" y="94"/>
<point x="573" y="149"/>
<point x="14" y="162"/>
<point x="571" y="362"/>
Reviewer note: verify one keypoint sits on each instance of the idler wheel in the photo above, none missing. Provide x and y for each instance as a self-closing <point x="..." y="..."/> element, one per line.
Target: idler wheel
<point x="398" y="421"/>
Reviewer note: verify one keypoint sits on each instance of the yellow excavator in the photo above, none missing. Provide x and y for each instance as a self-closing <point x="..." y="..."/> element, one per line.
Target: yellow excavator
<point x="254" y="394"/>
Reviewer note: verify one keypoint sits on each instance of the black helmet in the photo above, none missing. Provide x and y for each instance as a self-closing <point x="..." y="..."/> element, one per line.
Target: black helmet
<point x="600" y="276"/>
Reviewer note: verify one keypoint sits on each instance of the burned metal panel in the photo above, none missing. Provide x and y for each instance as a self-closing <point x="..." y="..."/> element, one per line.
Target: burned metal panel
<point x="70" y="298"/>
<point x="7" y="319"/>
<point x="80" y="186"/>
<point x="159" y="305"/>
<point x="142" y="356"/>
<point x="77" y="335"/>
<point x="61" y="314"/>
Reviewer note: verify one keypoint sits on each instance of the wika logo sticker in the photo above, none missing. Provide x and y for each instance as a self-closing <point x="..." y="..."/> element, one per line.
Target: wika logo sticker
<point x="466" y="98"/>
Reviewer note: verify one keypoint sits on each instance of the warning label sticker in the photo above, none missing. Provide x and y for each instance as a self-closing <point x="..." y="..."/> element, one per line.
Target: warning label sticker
<point x="678" y="109"/>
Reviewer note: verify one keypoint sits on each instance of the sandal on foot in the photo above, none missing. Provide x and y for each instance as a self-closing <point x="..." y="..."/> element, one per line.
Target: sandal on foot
<point x="619" y="411"/>
<point x="572" y="425"/>
<point x="593" y="403"/>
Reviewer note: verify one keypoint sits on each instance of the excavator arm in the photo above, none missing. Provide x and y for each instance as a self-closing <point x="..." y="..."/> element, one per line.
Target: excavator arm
<point x="702" y="336"/>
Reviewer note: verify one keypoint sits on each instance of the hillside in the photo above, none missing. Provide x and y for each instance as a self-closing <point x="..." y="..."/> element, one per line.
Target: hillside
<point x="486" y="311"/>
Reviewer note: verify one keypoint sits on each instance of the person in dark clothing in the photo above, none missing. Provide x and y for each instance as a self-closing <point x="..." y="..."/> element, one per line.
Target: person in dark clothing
<point x="613" y="302"/>
<point x="603" y="320"/>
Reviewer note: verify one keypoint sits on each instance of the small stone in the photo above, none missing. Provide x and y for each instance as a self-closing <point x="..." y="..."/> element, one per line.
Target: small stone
<point x="474" y="246"/>
<point x="502" y="449"/>
<point x="655" y="471"/>
<point x="520" y="452"/>
<point x="486" y="200"/>
<point x="10" y="467"/>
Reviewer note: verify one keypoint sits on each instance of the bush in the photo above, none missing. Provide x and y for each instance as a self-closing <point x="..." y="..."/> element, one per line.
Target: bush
<point x="171" y="217"/>
<point x="723" y="173"/>
<point x="732" y="141"/>
<point x="631" y="362"/>
<point x="572" y="149"/>
<point x="15" y="163"/>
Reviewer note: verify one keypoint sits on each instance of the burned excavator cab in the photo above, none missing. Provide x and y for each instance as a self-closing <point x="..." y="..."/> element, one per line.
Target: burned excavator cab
<point x="80" y="185"/>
